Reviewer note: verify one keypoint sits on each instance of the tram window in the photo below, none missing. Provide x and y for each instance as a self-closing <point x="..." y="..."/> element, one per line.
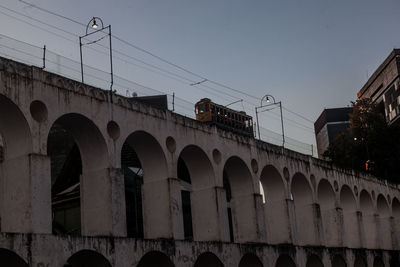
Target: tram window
<point x="206" y="108"/>
<point x="212" y="109"/>
<point x="201" y="108"/>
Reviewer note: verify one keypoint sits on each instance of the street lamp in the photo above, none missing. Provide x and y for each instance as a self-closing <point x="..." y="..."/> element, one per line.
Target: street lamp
<point x="274" y="103"/>
<point x="93" y="24"/>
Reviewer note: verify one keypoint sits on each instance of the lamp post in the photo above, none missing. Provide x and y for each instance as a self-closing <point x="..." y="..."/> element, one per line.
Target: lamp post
<point x="274" y="103"/>
<point x="95" y="26"/>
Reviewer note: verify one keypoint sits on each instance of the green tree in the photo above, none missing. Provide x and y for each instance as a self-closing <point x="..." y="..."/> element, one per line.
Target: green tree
<point x="369" y="140"/>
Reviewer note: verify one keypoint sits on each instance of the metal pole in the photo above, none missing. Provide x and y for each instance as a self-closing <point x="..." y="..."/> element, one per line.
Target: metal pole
<point x="80" y="49"/>
<point x="173" y="101"/>
<point x="258" y="125"/>
<point x="44" y="56"/>
<point x="283" y="132"/>
<point x="111" y="63"/>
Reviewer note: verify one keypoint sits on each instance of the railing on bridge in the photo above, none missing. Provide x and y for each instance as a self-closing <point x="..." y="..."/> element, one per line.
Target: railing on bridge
<point x="55" y="63"/>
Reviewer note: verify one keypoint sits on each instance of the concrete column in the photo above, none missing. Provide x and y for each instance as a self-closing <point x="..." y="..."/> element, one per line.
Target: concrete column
<point x="162" y="209"/>
<point x="245" y="218"/>
<point x="277" y="221"/>
<point x="223" y="220"/>
<point x="331" y="224"/>
<point x="306" y="229"/>
<point x="395" y="232"/>
<point x="207" y="204"/>
<point x="260" y="222"/>
<point x="103" y="196"/>
<point x="26" y="194"/>
<point x="369" y="230"/>
<point x="384" y="232"/>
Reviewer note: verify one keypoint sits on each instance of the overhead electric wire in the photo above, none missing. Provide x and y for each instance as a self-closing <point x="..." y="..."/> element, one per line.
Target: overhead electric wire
<point x="159" y="58"/>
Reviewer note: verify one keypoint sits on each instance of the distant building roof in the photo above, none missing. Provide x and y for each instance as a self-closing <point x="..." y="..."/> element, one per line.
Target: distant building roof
<point x="332" y="115"/>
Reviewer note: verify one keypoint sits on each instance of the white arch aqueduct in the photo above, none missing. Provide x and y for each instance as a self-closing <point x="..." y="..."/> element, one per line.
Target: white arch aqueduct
<point x="314" y="214"/>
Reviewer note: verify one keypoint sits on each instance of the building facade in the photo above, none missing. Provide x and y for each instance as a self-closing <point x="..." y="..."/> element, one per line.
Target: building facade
<point x="383" y="86"/>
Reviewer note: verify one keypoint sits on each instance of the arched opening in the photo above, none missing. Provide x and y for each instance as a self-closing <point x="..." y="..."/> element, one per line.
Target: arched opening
<point x="314" y="261"/>
<point x="242" y="201"/>
<point x="338" y="261"/>
<point x="10" y="258"/>
<point x="384" y="235"/>
<point x="360" y="262"/>
<point x="368" y="219"/>
<point x="208" y="259"/>
<point x="329" y="216"/>
<point x="155" y="259"/>
<point x="87" y="258"/>
<point x="378" y="262"/>
<point x="285" y="261"/>
<point x="350" y="219"/>
<point x="304" y="210"/>
<point x="197" y="179"/>
<point x="396" y="222"/>
<point x="79" y="158"/>
<point x="250" y="260"/>
<point x="145" y="174"/>
<point x="275" y="206"/>
<point x="15" y="169"/>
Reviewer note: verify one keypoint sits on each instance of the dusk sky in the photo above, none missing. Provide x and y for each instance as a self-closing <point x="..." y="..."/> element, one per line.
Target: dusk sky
<point x="310" y="55"/>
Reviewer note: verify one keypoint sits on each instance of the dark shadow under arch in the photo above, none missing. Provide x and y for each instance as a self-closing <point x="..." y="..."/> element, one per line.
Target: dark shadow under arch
<point x="360" y="262"/>
<point x="9" y="258"/>
<point x="338" y="261"/>
<point x="87" y="258"/>
<point x="250" y="260"/>
<point x="155" y="259"/>
<point x="285" y="260"/>
<point x="314" y="261"/>
<point x="378" y="262"/>
<point x="208" y="259"/>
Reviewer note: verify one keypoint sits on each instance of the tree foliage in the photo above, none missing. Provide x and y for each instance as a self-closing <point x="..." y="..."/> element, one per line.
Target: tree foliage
<point x="370" y="143"/>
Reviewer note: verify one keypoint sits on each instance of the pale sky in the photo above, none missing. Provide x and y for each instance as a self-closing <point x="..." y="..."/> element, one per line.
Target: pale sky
<point x="310" y="55"/>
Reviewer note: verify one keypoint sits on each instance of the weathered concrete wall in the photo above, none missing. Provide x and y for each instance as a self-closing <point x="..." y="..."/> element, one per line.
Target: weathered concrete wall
<point x="41" y="250"/>
<point x="308" y="201"/>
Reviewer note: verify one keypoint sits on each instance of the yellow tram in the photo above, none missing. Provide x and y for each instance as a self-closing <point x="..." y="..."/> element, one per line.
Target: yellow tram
<point x="207" y="111"/>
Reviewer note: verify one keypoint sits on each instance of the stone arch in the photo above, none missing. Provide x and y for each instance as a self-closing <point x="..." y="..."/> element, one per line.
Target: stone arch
<point x="275" y="206"/>
<point x="18" y="175"/>
<point x="250" y="260"/>
<point x="155" y="259"/>
<point x="329" y="216"/>
<point x="10" y="258"/>
<point x="144" y="165"/>
<point x="314" y="261"/>
<point x="80" y="176"/>
<point x="384" y="230"/>
<point x="378" y="262"/>
<point x="285" y="260"/>
<point x="350" y="219"/>
<point x="87" y="258"/>
<point x="15" y="129"/>
<point x="208" y="259"/>
<point x="203" y="195"/>
<point x="304" y="210"/>
<point x="338" y="261"/>
<point x="242" y="202"/>
<point x="368" y="219"/>
<point x="396" y="222"/>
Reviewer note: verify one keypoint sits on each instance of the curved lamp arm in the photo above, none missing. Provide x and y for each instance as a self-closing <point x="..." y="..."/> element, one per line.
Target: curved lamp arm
<point x="94" y="25"/>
